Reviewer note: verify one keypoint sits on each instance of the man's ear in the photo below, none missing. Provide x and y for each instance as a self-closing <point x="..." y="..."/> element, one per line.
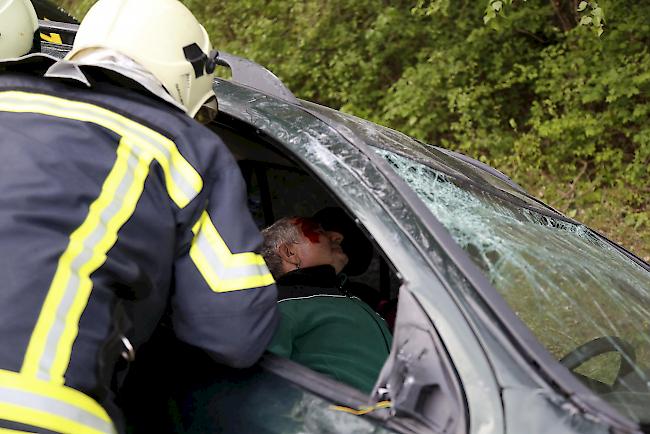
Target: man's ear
<point x="288" y="254"/>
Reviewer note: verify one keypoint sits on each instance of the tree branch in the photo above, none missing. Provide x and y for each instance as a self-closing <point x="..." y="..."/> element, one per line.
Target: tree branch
<point x="557" y="7"/>
<point x="532" y="35"/>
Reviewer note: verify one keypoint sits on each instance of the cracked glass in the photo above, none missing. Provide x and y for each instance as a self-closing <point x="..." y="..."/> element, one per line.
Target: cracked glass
<point x="584" y="299"/>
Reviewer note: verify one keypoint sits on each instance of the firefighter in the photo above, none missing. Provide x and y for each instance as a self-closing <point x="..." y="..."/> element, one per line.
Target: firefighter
<point x="116" y="208"/>
<point x="18" y="28"/>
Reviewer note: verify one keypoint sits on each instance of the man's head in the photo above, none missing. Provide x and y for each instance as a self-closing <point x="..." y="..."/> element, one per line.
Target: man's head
<point x="355" y="244"/>
<point x="301" y="242"/>
<point x="18" y="27"/>
<point x="160" y="35"/>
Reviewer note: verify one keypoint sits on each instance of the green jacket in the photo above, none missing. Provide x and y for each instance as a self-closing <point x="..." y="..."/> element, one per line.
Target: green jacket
<point x="327" y="331"/>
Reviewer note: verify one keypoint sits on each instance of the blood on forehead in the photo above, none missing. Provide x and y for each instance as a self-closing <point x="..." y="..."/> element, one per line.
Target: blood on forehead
<point x="310" y="228"/>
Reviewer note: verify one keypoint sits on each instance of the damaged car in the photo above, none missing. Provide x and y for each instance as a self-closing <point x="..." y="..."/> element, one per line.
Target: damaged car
<point x="511" y="317"/>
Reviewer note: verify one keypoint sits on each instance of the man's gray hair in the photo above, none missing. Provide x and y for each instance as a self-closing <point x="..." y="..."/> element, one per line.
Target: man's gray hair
<point x="281" y="232"/>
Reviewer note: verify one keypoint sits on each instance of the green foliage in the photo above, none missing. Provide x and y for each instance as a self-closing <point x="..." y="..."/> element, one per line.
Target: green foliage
<point x="77" y="8"/>
<point x="569" y="12"/>
<point x="534" y="93"/>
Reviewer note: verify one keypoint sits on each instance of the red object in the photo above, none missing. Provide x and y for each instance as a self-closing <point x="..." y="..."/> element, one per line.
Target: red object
<point x="311" y="229"/>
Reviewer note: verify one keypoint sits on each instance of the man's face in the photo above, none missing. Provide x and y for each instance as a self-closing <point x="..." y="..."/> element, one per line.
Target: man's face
<point x="319" y="247"/>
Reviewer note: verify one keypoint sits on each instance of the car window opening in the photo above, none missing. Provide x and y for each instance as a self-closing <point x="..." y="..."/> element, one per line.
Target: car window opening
<point x="277" y="187"/>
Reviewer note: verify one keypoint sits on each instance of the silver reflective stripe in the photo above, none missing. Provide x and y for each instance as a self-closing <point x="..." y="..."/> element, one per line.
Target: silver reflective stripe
<point x="180" y="181"/>
<point x="222" y="270"/>
<point x="72" y="288"/>
<point x="54" y="407"/>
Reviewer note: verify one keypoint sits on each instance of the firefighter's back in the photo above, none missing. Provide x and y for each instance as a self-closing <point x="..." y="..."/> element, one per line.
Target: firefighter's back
<point x="95" y="192"/>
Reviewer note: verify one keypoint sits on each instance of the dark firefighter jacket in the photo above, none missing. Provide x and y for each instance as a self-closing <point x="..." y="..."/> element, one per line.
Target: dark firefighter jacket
<point x="114" y="207"/>
<point x="327" y="331"/>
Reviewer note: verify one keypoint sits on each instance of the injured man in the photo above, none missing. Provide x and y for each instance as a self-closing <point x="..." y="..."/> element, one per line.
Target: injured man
<point x="322" y="326"/>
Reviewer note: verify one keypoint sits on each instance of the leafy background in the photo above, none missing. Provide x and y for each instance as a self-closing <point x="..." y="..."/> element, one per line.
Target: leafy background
<point x="520" y="85"/>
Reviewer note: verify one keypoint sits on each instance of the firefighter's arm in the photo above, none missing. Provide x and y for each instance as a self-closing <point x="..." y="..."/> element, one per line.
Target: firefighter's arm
<point x="225" y="298"/>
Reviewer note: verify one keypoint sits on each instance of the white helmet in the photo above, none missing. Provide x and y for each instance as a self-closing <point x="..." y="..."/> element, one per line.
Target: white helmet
<point x="162" y="36"/>
<point x="18" y="24"/>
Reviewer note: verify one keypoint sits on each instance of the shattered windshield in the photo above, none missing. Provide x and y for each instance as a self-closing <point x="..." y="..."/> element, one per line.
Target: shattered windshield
<point x="587" y="302"/>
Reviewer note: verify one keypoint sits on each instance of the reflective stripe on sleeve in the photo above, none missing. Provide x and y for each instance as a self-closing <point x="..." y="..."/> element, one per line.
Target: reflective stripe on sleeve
<point x="223" y="270"/>
<point x="52" y="407"/>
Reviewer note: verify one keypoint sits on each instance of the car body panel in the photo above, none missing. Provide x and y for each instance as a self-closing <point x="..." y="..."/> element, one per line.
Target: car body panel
<point x="551" y="414"/>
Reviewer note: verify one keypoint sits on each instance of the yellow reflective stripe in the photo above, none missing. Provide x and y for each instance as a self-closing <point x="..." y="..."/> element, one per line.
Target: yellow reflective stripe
<point x="54" y="38"/>
<point x="140" y="135"/>
<point x="223" y="270"/>
<point x="217" y="284"/>
<point x="44" y="418"/>
<point x="205" y="225"/>
<point x="38" y="359"/>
